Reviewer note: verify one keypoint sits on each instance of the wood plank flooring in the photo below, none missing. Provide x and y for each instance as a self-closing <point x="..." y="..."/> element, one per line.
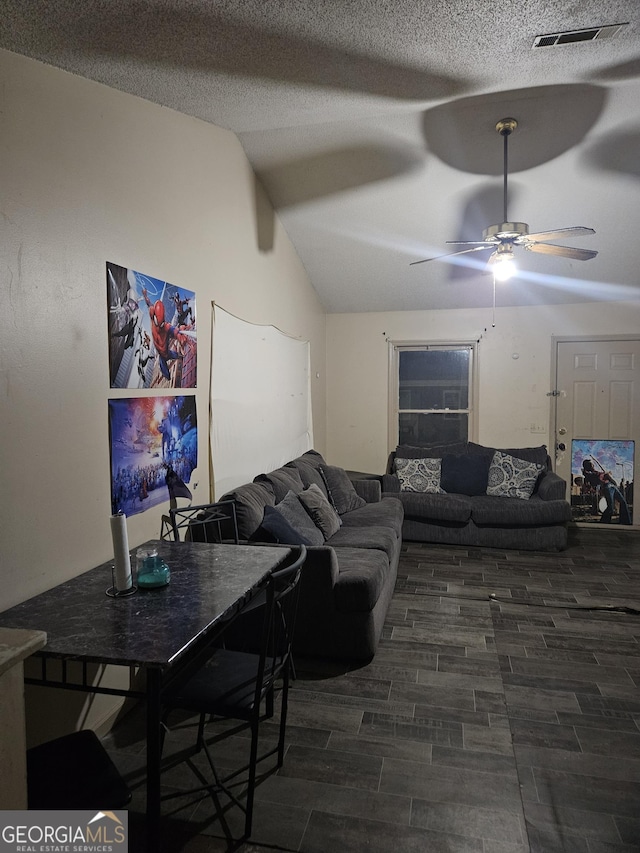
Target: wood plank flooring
<point x="501" y="714"/>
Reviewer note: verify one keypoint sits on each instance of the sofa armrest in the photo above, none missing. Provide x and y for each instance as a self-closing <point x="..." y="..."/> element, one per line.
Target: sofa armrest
<point x="369" y="490"/>
<point x="552" y="487"/>
<point x="390" y="483"/>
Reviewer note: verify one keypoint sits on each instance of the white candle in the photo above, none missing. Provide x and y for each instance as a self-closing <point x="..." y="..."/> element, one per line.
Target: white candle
<point x="121" y="558"/>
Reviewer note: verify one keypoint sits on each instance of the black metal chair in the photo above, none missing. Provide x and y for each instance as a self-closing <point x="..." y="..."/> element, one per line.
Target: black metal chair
<point x="74" y="772"/>
<point x="239" y="685"/>
<point x="215" y="522"/>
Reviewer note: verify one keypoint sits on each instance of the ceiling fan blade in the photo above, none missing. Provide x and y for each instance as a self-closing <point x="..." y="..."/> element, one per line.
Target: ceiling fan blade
<point x="486" y="243"/>
<point x="559" y="234"/>
<point x="561" y="251"/>
<point x="451" y="254"/>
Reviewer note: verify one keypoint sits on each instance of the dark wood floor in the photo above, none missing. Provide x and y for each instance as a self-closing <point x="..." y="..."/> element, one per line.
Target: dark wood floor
<point x="501" y="714"/>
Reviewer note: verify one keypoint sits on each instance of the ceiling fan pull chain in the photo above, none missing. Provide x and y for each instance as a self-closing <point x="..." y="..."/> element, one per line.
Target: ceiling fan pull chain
<point x="493" y="318"/>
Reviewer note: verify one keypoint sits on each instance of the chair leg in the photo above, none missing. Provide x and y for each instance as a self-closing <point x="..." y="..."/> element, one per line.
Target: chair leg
<point x="284" y="703"/>
<point x="200" y="737"/>
<point x="253" y="762"/>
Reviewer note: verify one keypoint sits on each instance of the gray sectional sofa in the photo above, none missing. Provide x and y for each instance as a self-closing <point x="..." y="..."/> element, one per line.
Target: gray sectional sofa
<point x="351" y="567"/>
<point x="473" y="497"/>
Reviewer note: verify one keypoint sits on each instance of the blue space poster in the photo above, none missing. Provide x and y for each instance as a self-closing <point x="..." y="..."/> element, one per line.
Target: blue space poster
<point x="149" y="437"/>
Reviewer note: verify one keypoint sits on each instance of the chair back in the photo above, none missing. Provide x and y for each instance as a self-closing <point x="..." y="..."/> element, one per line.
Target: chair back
<point x="215" y="522"/>
<point x="279" y="618"/>
<point x="286" y="582"/>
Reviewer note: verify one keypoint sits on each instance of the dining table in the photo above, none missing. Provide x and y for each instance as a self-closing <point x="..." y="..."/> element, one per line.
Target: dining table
<point x="157" y="633"/>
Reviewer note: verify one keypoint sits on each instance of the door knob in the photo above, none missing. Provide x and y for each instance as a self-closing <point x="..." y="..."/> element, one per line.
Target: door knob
<point x="561" y="445"/>
<point x="562" y="431"/>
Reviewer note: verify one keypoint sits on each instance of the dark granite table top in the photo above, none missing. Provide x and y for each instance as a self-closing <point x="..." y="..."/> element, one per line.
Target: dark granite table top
<point x="153" y="627"/>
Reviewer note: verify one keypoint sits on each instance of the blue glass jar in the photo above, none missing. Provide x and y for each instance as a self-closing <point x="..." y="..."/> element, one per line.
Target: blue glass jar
<point x="152" y="571"/>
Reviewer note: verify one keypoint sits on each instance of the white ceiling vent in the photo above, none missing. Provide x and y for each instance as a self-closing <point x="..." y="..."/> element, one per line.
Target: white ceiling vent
<point x="573" y="36"/>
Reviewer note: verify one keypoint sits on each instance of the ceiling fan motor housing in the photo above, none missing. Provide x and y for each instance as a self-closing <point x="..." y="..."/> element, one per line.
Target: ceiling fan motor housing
<point x="505" y="231"/>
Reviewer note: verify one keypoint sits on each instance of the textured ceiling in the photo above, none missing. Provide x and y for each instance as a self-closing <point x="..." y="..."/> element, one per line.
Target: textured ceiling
<point x="371" y="124"/>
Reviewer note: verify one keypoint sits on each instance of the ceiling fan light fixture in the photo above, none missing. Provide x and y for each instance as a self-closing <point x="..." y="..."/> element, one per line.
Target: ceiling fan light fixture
<point x="504" y="266"/>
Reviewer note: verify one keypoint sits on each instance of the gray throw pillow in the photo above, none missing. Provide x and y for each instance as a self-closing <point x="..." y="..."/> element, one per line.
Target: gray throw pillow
<point x="281" y="481"/>
<point x="276" y="526"/>
<point x="419" y="475"/>
<point x="294" y="512"/>
<point x="320" y="510"/>
<point x="340" y="489"/>
<point x="510" y="477"/>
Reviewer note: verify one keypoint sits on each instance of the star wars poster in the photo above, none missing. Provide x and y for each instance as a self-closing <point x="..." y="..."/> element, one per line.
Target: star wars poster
<point x="152" y="331"/>
<point x="150" y="437"/>
<point x="602" y="481"/>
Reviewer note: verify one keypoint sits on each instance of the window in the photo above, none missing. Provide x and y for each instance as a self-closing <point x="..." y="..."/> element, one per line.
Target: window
<point x="431" y="394"/>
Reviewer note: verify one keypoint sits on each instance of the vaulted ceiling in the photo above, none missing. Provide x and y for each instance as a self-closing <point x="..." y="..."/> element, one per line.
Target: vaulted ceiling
<point x="371" y="124"/>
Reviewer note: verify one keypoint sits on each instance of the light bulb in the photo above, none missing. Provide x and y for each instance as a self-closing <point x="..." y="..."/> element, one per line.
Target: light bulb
<point x="504" y="268"/>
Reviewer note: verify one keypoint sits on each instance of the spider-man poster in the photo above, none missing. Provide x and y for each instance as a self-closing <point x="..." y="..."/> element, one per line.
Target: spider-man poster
<point x="152" y="331"/>
<point x="150" y="437"/>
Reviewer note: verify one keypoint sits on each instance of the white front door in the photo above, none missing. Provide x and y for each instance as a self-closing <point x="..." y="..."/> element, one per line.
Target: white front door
<point x="597" y="398"/>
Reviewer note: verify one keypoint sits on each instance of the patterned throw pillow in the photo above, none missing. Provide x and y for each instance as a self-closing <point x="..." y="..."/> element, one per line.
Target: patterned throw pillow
<point x="510" y="477"/>
<point x="419" y="475"/>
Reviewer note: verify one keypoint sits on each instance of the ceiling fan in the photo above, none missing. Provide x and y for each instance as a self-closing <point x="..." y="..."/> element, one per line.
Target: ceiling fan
<point x="506" y="236"/>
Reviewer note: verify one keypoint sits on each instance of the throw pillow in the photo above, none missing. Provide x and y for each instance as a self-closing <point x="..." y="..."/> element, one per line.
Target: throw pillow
<point x="320" y="510"/>
<point x="278" y="528"/>
<point x="419" y="475"/>
<point x="340" y="489"/>
<point x="529" y="454"/>
<point x="465" y="475"/>
<point x="250" y="501"/>
<point x="281" y="481"/>
<point x="511" y="477"/>
<point x="297" y="516"/>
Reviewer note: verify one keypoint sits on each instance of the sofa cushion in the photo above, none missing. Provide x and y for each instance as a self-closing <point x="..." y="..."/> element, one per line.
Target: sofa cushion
<point x="512" y="477"/>
<point x="465" y="475"/>
<point x="297" y="516"/>
<point x="388" y="512"/>
<point x="312" y="457"/>
<point x="282" y="480"/>
<point x="432" y="451"/>
<point x="419" y="475"/>
<point x="340" y="489"/>
<point x="324" y="516"/>
<point x="504" y="512"/>
<point x="250" y="501"/>
<point x="429" y="507"/>
<point x="309" y="473"/>
<point x="529" y="454"/>
<point x="369" y="538"/>
<point x="361" y="579"/>
<point x="275" y="528"/>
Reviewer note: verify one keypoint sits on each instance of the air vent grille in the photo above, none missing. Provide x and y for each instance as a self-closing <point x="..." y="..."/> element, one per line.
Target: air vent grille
<point x="573" y="36"/>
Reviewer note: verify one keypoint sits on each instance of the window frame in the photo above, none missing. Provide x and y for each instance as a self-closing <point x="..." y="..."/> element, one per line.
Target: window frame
<point x="395" y="348"/>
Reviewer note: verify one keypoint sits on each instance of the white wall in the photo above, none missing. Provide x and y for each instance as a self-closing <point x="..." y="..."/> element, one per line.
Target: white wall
<point x="90" y="175"/>
<point x="512" y="392"/>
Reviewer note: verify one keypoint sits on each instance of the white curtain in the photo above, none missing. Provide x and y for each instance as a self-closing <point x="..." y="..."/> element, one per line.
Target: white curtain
<point x="260" y="400"/>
